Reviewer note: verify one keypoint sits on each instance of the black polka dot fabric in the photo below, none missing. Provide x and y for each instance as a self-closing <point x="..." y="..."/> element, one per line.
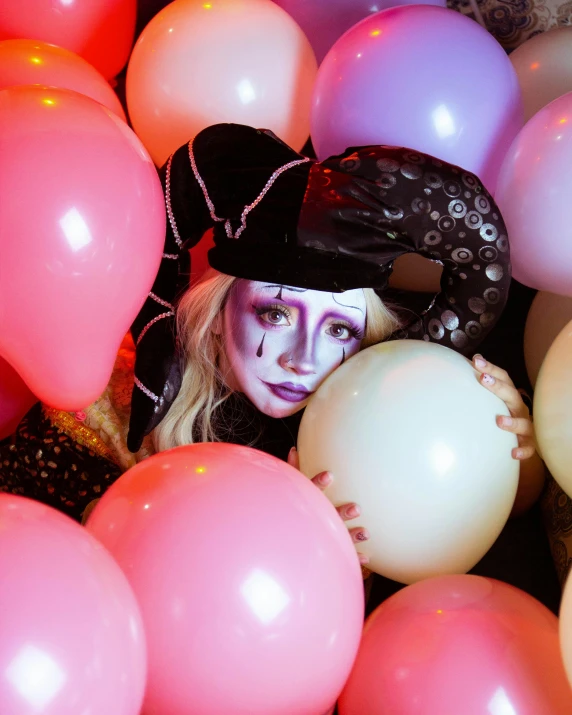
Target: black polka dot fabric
<point x="42" y="462"/>
<point x="413" y="203"/>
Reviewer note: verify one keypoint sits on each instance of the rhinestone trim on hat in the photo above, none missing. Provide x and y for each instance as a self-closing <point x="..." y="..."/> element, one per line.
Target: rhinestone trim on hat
<point x="170" y="314"/>
<point x="168" y="202"/>
<point x="430" y="306"/>
<point x="170" y="256"/>
<point x="145" y="390"/>
<point x="162" y="302"/>
<point x="249" y="207"/>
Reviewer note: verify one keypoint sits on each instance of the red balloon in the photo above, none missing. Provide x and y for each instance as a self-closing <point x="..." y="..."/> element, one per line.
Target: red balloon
<point x="248" y="581"/>
<point x="71" y="634"/>
<point x="82" y="227"/>
<point x="101" y="31"/>
<point x="35" y="62"/>
<point x="456" y="645"/>
<point x="15" y="399"/>
<point x="199" y="257"/>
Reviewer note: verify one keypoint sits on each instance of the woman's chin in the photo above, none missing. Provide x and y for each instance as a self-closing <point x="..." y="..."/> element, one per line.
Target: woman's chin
<point x="279" y="409"/>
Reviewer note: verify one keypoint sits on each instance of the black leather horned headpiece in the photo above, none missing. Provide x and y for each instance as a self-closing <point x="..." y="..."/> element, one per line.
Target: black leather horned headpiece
<point x="332" y="225"/>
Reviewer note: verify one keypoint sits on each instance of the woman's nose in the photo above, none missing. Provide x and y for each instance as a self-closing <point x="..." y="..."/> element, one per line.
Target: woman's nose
<point x="301" y="358"/>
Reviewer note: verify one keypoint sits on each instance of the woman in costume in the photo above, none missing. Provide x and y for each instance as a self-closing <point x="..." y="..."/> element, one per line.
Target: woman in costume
<point x="303" y="252"/>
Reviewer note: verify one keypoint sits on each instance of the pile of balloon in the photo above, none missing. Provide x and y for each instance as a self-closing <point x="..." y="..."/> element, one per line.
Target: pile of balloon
<point x="214" y="579"/>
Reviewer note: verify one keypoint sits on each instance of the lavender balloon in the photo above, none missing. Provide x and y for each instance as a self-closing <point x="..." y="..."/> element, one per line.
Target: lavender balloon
<point x="421" y="77"/>
<point x="324" y="21"/>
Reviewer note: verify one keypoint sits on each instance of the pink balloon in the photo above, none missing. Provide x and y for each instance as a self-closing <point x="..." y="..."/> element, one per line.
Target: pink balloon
<point x="420" y="77"/>
<point x="459" y="644"/>
<point x="533" y="194"/>
<point x="71" y="634"/>
<point x="248" y="581"/>
<point x="15" y="399"/>
<point x="34" y="62"/>
<point x="82" y="224"/>
<point x="324" y="21"/>
<point x="101" y="31"/>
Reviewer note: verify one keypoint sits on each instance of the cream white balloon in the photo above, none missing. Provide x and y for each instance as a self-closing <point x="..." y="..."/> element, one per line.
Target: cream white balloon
<point x="553" y="409"/>
<point x="410" y="435"/>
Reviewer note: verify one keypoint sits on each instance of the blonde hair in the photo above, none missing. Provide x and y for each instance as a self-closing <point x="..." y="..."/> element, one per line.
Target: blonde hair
<point x="191" y="417"/>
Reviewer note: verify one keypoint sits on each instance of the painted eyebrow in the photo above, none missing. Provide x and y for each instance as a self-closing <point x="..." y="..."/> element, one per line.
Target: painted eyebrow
<point x="328" y="314"/>
<point x="282" y="287"/>
<point x="355" y="307"/>
<point x="304" y="290"/>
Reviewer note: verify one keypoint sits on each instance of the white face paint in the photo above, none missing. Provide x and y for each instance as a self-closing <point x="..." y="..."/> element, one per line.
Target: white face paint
<point x="280" y="343"/>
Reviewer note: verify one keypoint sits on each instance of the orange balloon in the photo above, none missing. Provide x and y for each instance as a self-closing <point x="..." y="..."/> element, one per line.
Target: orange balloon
<point x="552" y="409"/>
<point x="35" y="62"/>
<point x="198" y="63"/>
<point x="548" y="314"/>
<point x="101" y="31"/>
<point x="414" y="272"/>
<point x="543" y="65"/>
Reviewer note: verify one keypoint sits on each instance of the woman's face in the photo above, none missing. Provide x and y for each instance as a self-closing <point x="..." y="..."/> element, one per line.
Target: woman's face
<point x="280" y="343"/>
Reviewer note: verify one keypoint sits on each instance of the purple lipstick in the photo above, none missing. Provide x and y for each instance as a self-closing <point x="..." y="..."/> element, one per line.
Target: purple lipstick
<point x="289" y="391"/>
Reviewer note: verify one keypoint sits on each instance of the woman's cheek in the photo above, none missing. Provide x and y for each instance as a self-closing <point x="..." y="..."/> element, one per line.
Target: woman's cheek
<point x="331" y="356"/>
<point x="277" y="342"/>
<point x="353" y="347"/>
<point x="246" y="332"/>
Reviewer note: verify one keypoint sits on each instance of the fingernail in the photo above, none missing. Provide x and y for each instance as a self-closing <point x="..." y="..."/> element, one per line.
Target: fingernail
<point x="507" y="421"/>
<point x="518" y="453"/>
<point x="362" y="535"/>
<point x="488" y="379"/>
<point x="353" y="511"/>
<point x="325" y="479"/>
<point x="479" y="362"/>
<point x="363" y="559"/>
<point x="292" y="450"/>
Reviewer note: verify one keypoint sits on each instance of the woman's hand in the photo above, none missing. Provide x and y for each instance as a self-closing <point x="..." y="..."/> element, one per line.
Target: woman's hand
<point x="347" y="511"/>
<point x="519" y="423"/>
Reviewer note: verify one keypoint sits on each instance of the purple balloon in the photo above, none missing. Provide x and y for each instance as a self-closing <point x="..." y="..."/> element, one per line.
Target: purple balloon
<point x="324" y="21"/>
<point x="420" y="77"/>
